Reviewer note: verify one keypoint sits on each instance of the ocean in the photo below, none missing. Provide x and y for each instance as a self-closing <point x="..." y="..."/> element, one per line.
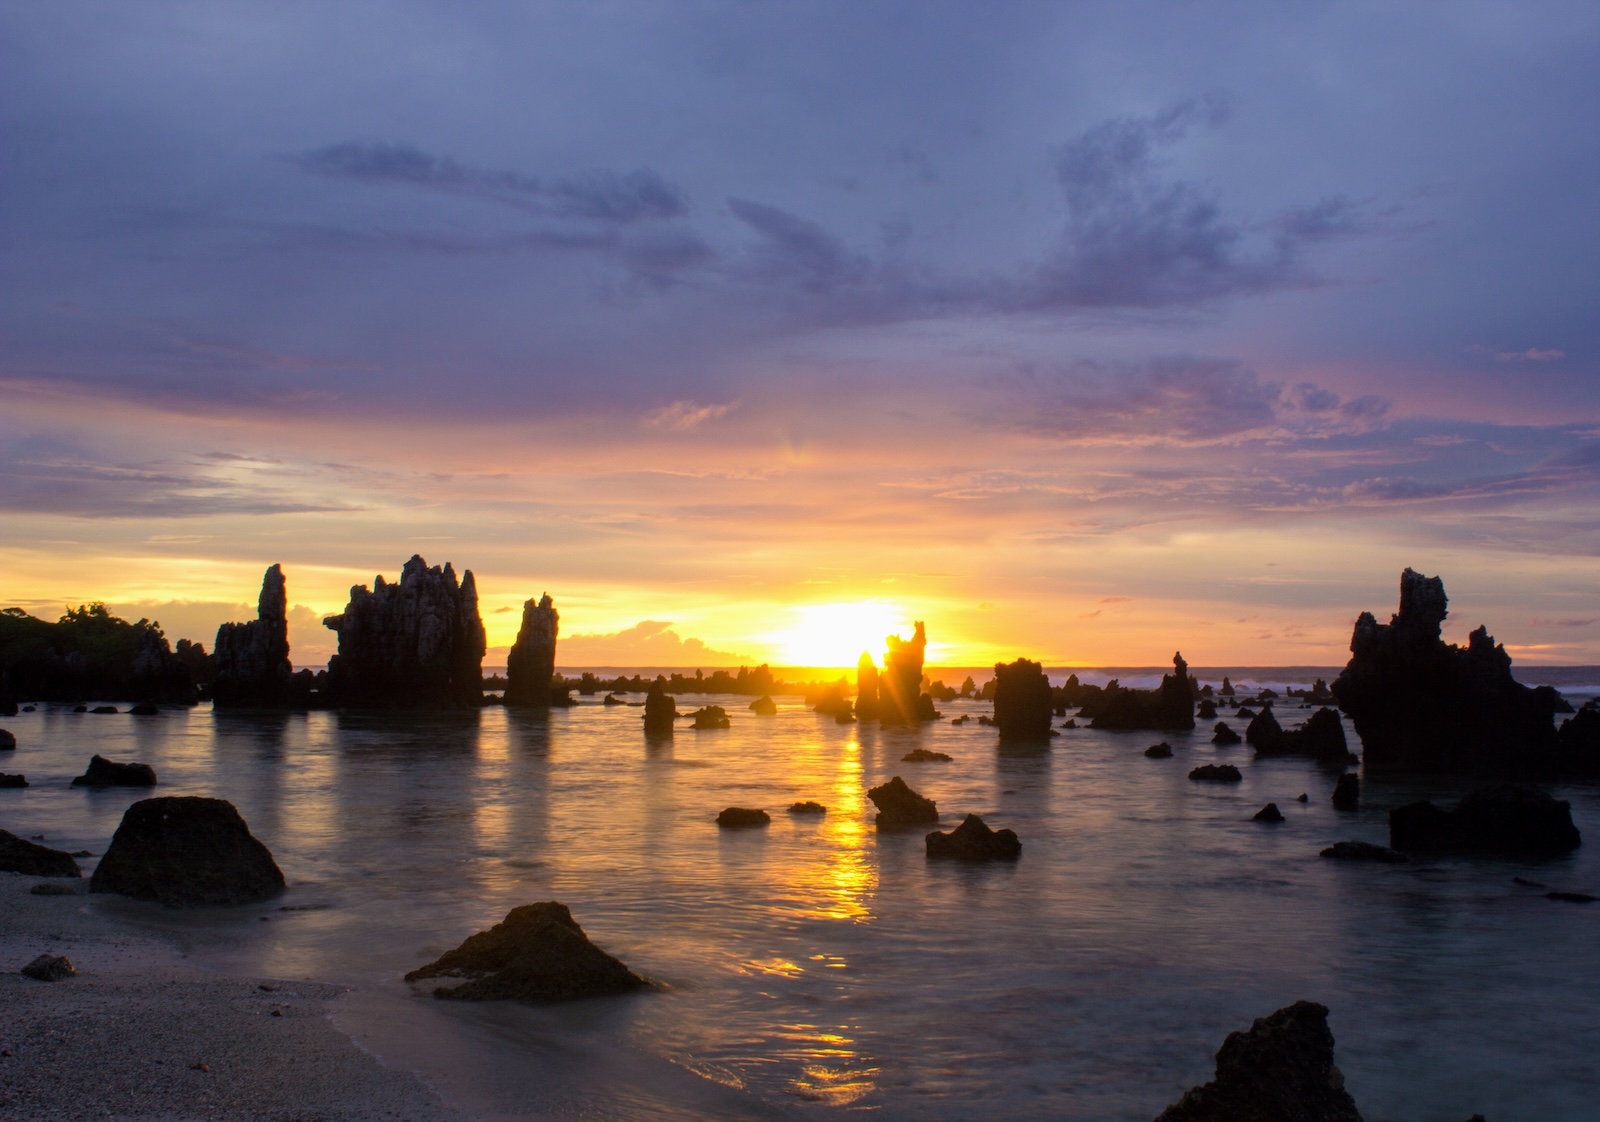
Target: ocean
<point x="816" y="967"/>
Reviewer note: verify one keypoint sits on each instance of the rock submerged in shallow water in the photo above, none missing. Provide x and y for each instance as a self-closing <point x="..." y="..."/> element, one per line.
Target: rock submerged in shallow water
<point x="1160" y="751"/>
<point x="1022" y="701"/>
<point x="1222" y="734"/>
<point x="1347" y="792"/>
<point x="18" y="855"/>
<point x="1206" y="710"/>
<point x="974" y="841"/>
<point x="49" y="968"/>
<point x="1216" y="773"/>
<point x="1268" y="813"/>
<point x="538" y="953"/>
<point x="1364" y="851"/>
<point x="899" y="807"/>
<point x="741" y="818"/>
<point x="660" y="710"/>
<point x="1505" y="821"/>
<point x="925" y="756"/>
<point x="531" y="662"/>
<point x="764" y="707"/>
<point x="185" y="851"/>
<point x="9" y="780"/>
<point x="8" y="741"/>
<point x="710" y="717"/>
<point x="108" y="773"/>
<point x="807" y="807"/>
<point x="1281" y="1070"/>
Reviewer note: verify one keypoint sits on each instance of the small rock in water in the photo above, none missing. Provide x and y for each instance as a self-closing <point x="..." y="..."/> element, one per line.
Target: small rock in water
<point x="899" y="807"/>
<point x="1364" y="851"/>
<point x="711" y="717"/>
<point x="1347" y="793"/>
<point x="924" y="756"/>
<point x="808" y="807"/>
<point x="1572" y="897"/>
<point x="144" y="709"/>
<point x="974" y="841"/>
<point x="1268" y="813"/>
<point x="1280" y="1070"/>
<point x="764" y="707"/>
<point x="1160" y="751"/>
<point x="1070" y="723"/>
<point x="537" y="953"/>
<point x="108" y="773"/>
<point x="104" y="709"/>
<point x="18" y="855"/>
<point x="1216" y="773"/>
<point x="8" y="741"/>
<point x="1303" y="798"/>
<point x="1222" y="734"/>
<point x="13" y="780"/>
<point x="49" y="968"/>
<point x="739" y="818"/>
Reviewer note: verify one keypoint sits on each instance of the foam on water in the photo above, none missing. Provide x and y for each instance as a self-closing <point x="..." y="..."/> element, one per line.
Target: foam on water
<point x="816" y="966"/>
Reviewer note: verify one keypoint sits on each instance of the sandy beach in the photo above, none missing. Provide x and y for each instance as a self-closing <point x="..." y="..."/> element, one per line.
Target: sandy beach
<point x="140" y="1033"/>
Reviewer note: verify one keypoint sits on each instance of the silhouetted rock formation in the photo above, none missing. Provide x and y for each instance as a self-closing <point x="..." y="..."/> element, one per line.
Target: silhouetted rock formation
<point x="1321" y="738"/>
<point x="1579" y="739"/>
<point x="1347" y="792"/>
<point x="900" y="697"/>
<point x="1268" y="813"/>
<point x="1505" y="821"/>
<point x="1318" y="694"/>
<point x="18" y="855"/>
<point x="1420" y="705"/>
<point x="1170" y="708"/>
<point x="1227" y="688"/>
<point x="1245" y="713"/>
<point x="251" y="667"/>
<point x="899" y="807"/>
<point x="764" y="707"/>
<point x="1281" y="1070"/>
<point x="660" y="711"/>
<point x="867" y="687"/>
<point x="807" y="807"/>
<point x="1264" y="733"/>
<point x="1216" y="773"/>
<point x="417" y="644"/>
<point x="1364" y="851"/>
<point x="925" y="756"/>
<point x="974" y="841"/>
<point x="710" y="717"/>
<point x="1223" y="734"/>
<point x="1206" y="710"/>
<point x="185" y="851"/>
<point x="538" y="953"/>
<point x="49" y="968"/>
<point x="1022" y="701"/>
<point x="830" y="701"/>
<point x="532" y="661"/>
<point x="741" y="818"/>
<point x="8" y="741"/>
<point x="108" y="773"/>
<point x="1162" y="751"/>
<point x="9" y="780"/>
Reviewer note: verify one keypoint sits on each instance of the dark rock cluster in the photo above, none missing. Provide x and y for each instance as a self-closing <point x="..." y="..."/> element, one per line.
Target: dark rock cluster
<point x="1321" y="738"/>
<point x="251" y="660"/>
<point x="531" y="663"/>
<point x="973" y="840"/>
<point x="1224" y="734"/>
<point x="109" y="773"/>
<point x="899" y="807"/>
<point x="807" y="807"/>
<point x="538" y="953"/>
<point x="1022" y="701"/>
<point x="740" y="818"/>
<point x="418" y="644"/>
<point x="185" y="851"/>
<point x="1168" y="708"/>
<point x="710" y="717"/>
<point x="1216" y="773"/>
<point x="1506" y="821"/>
<point x="1422" y="705"/>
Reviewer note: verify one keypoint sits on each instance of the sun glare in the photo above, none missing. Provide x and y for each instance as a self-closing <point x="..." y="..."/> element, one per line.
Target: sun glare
<point x="830" y="635"/>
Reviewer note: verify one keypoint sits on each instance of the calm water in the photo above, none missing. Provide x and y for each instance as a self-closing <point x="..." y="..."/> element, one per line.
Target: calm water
<point x="817" y="967"/>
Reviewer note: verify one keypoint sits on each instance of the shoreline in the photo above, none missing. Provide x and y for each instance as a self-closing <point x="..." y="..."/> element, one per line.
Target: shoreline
<point x="142" y="1032"/>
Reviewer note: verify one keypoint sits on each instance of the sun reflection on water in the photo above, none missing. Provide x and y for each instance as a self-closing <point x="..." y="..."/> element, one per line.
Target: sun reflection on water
<point x="843" y="883"/>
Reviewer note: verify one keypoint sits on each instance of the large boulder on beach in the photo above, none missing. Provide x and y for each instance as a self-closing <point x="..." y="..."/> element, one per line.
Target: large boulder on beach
<point x="1421" y="705"/>
<point x="660" y="710"/>
<point x="1022" y="701"/>
<point x="108" y="773"/>
<point x="538" y="953"/>
<point x="974" y="841"/>
<point x="1281" y="1070"/>
<point x="531" y="662"/>
<point x="187" y="851"/>
<point x="1510" y="820"/>
<point x="899" y="807"/>
<point x="18" y="855"/>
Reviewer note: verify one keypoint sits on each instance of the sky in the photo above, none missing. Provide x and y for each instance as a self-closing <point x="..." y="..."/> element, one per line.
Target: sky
<point x="752" y="331"/>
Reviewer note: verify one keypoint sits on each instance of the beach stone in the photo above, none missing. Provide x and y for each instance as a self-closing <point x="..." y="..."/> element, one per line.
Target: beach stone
<point x="1281" y="1070"/>
<point x="764" y="707"/>
<point x="1216" y="773"/>
<point x="8" y="740"/>
<point x="807" y="807"/>
<point x="660" y="710"/>
<point x="974" y="841"/>
<point x="739" y="818"/>
<point x="49" y="968"/>
<point x="1223" y="734"/>
<point x="925" y="756"/>
<point x="50" y="888"/>
<point x="1364" y="851"/>
<point x="185" y="851"/>
<point x="1347" y="792"/>
<point x="108" y="773"/>
<point x="899" y="807"/>
<point x="144" y="709"/>
<point x="538" y="953"/>
<point x="9" y="780"/>
<point x="18" y="855"/>
<point x="1160" y="751"/>
<point x="1509" y="820"/>
<point x="1268" y="813"/>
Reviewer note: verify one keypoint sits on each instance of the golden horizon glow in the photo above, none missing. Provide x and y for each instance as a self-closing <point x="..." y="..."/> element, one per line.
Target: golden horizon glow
<point x="835" y="635"/>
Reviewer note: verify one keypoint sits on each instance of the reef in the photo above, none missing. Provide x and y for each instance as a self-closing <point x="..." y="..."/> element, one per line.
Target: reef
<point x="531" y="664"/>
<point x="1281" y="1070"/>
<point x="185" y="851"/>
<point x="418" y="644"/>
<point x="1422" y="705"/>
<point x="251" y="668"/>
<point x="538" y="953"/>
<point x="1509" y="820"/>
<point x="1167" y="709"/>
<point x="1023" y="704"/>
<point x="973" y="840"/>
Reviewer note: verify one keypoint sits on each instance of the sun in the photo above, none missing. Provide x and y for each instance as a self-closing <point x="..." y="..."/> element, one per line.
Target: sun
<point x="834" y="635"/>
